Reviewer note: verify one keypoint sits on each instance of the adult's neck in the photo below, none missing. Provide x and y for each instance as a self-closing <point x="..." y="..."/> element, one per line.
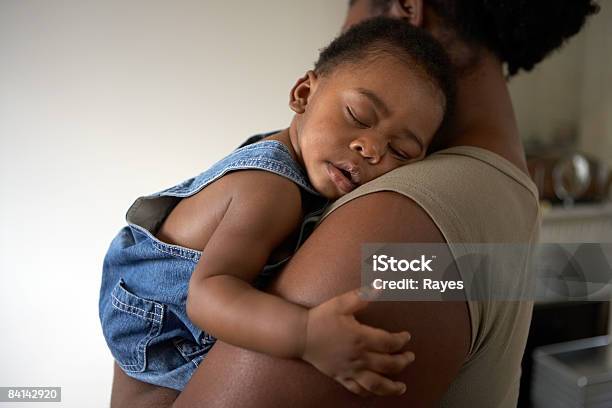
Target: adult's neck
<point x="484" y="116"/>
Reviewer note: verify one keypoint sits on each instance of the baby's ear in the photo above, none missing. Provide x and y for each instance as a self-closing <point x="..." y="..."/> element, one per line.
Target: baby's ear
<point x="301" y="92"/>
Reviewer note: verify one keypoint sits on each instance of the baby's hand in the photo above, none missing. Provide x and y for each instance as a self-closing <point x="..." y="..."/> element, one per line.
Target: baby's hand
<point x="352" y="353"/>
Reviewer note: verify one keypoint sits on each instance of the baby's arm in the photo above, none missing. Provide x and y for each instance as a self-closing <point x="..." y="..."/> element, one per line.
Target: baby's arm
<point x="265" y="209"/>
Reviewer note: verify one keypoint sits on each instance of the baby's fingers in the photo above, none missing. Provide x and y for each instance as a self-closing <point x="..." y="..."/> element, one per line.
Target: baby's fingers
<point x="352" y="301"/>
<point x="388" y="363"/>
<point x="382" y="341"/>
<point x="379" y="385"/>
<point x="354" y="387"/>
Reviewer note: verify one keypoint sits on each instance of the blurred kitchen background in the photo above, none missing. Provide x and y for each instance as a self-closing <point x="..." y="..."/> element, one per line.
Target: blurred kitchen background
<point x="103" y="101"/>
<point x="564" y="109"/>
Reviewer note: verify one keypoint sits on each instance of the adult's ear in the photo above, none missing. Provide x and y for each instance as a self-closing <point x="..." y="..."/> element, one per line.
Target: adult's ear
<point x="408" y="10"/>
<point x="302" y="91"/>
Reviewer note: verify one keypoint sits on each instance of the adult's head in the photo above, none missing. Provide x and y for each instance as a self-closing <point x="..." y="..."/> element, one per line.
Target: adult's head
<point x="520" y="33"/>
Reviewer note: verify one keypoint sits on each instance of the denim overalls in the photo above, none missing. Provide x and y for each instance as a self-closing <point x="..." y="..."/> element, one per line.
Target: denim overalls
<point x="144" y="280"/>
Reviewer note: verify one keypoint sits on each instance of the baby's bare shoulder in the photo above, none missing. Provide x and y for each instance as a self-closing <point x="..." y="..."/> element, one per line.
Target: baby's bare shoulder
<point x="263" y="195"/>
<point x="252" y="200"/>
<point x="264" y="209"/>
<point x="262" y="184"/>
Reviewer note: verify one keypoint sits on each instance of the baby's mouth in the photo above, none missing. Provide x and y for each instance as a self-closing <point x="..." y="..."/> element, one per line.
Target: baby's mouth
<point x="347" y="174"/>
<point x="350" y="171"/>
<point x="345" y="180"/>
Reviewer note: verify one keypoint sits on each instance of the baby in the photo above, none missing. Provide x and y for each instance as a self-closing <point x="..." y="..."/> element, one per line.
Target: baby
<point x="184" y="271"/>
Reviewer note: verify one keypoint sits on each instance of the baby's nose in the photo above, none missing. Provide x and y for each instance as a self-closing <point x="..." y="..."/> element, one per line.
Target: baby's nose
<point x="371" y="150"/>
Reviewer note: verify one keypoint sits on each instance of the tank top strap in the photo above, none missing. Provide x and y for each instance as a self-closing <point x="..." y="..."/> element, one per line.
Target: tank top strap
<point x="270" y="155"/>
<point x="274" y="156"/>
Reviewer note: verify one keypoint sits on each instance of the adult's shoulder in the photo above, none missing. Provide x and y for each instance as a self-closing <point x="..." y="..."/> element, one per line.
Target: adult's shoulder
<point x="464" y="190"/>
<point x="473" y="196"/>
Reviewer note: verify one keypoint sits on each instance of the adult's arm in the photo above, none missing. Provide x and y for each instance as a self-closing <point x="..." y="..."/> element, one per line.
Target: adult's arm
<point x="328" y="264"/>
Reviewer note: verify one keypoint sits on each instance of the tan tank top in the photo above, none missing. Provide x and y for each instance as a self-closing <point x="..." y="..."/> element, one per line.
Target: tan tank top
<point x="476" y="196"/>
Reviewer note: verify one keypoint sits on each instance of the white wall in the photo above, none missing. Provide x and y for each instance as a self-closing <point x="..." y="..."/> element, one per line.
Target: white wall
<point x="101" y="101"/>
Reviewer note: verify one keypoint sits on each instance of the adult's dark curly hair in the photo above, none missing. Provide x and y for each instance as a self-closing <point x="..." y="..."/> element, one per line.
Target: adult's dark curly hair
<point x="520" y="32"/>
<point x="383" y="35"/>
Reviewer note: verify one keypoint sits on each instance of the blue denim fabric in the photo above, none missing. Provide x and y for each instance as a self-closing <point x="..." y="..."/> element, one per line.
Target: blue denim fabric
<point x="144" y="280"/>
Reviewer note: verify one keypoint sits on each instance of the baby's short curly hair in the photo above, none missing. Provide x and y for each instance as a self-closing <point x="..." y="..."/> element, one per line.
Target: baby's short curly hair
<point x="387" y="36"/>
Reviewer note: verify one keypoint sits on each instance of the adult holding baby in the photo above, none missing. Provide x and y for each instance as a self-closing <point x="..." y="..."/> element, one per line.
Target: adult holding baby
<point x="468" y="353"/>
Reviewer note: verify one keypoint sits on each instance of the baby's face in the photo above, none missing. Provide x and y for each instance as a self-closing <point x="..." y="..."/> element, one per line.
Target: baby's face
<point x="364" y="120"/>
